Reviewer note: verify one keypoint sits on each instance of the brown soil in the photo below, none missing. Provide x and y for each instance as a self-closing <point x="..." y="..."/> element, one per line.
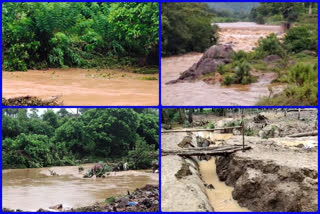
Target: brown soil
<point x="272" y="176"/>
<point x="83" y="87"/>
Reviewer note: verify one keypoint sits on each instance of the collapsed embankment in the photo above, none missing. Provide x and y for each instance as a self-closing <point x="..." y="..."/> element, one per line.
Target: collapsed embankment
<point x="273" y="176"/>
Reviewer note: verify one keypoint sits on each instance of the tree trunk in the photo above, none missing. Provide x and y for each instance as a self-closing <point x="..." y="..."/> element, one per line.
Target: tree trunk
<point x="190" y="115"/>
<point x="310" y="8"/>
<point x="181" y="115"/>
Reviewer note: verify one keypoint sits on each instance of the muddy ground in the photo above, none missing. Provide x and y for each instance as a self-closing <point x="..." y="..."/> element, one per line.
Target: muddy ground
<point x="241" y="36"/>
<point x="84" y="86"/>
<point x="278" y="174"/>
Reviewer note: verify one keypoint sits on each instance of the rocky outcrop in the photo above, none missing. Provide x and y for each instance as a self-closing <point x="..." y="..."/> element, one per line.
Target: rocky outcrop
<point x="263" y="185"/>
<point x="216" y="55"/>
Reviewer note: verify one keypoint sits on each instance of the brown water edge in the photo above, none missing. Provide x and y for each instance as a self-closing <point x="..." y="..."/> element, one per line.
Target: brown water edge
<point x="84" y="87"/>
<point x="31" y="189"/>
<point x="220" y="198"/>
<point x="243" y="36"/>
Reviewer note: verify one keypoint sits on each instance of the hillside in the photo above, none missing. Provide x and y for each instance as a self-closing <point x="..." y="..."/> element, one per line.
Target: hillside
<point x="233" y="6"/>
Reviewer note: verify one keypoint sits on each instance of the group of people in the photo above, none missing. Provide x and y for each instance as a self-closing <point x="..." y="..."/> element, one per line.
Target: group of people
<point x="99" y="169"/>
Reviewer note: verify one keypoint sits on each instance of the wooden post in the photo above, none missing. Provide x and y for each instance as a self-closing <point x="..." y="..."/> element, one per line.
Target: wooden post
<point x="242" y="131"/>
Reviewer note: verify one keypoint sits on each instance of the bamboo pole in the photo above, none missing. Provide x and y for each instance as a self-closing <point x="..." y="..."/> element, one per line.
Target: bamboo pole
<point x="200" y="130"/>
<point x="204" y="151"/>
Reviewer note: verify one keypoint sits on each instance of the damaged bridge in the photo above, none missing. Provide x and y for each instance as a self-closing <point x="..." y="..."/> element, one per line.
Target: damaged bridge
<point x="214" y="151"/>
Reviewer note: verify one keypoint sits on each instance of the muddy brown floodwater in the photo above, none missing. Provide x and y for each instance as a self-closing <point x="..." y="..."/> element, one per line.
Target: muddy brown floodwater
<point x="84" y="87"/>
<point x="31" y="189"/>
<point x="221" y="197"/>
<point x="244" y="36"/>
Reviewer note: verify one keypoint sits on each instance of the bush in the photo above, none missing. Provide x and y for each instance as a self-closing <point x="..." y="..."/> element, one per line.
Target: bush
<point x="140" y="157"/>
<point x="242" y="71"/>
<point x="302" y="88"/>
<point x="228" y="80"/>
<point x="268" y="46"/>
<point x="239" y="56"/>
<point x="301" y="38"/>
<point x="210" y="125"/>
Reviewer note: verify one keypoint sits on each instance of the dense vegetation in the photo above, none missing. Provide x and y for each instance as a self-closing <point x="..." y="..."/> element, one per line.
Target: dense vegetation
<point x="59" y="35"/>
<point x="278" y="12"/>
<point x="177" y="117"/>
<point x="60" y="138"/>
<point x="186" y="27"/>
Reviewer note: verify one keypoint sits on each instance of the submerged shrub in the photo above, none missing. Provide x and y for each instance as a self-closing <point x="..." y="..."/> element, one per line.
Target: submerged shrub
<point x="228" y="80"/>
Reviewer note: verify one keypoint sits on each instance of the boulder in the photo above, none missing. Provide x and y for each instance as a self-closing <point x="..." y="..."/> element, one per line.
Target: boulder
<point x="270" y="131"/>
<point x="271" y="58"/>
<point x="216" y="55"/>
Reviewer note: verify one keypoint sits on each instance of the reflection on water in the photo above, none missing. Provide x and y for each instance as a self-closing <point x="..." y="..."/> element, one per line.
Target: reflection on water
<point x="31" y="189"/>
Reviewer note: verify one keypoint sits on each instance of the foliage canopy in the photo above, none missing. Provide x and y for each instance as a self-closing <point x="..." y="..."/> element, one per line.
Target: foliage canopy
<point x="59" y="138"/>
<point x="37" y="35"/>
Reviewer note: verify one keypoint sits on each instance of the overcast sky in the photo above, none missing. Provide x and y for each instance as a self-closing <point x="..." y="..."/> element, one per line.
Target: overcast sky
<point x="42" y="110"/>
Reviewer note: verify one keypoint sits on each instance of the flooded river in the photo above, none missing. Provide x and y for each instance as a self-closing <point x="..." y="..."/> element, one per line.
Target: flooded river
<point x="31" y="189"/>
<point x="242" y="36"/>
<point x="84" y="87"/>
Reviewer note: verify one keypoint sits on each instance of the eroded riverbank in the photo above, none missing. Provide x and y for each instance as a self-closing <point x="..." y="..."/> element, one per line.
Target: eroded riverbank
<point x="31" y="189"/>
<point x="77" y="86"/>
<point x="244" y="37"/>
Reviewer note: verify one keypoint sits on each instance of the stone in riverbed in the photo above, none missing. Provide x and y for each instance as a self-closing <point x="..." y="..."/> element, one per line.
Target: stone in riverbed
<point x="215" y="56"/>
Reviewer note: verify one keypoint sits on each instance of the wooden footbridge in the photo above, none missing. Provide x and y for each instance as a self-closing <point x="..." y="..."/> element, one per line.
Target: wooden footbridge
<point x="213" y="151"/>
